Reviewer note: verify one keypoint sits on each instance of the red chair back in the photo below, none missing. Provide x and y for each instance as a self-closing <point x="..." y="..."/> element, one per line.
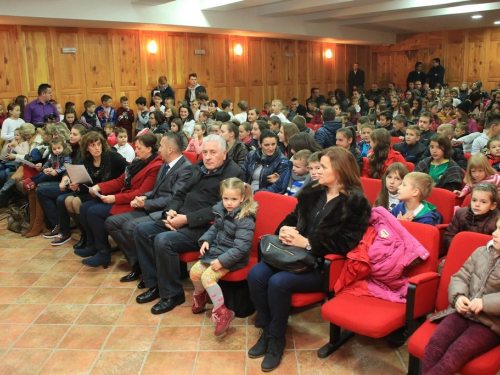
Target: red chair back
<point x="428" y="236"/>
<point x="462" y="246"/>
<point x="395" y="140"/>
<point x="444" y="200"/>
<point x="200" y="157"/>
<point x="467" y="155"/>
<point x="372" y="188"/>
<point x="312" y="127"/>
<point x="410" y="166"/>
<point x="273" y="208"/>
<point x="466" y="202"/>
<point x="191" y="156"/>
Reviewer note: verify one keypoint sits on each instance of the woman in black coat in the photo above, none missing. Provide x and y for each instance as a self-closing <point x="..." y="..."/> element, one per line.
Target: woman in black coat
<point x="102" y="164"/>
<point x="236" y="150"/>
<point x="330" y="218"/>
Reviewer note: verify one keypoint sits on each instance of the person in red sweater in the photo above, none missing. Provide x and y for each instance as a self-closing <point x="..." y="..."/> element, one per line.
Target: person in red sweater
<point x="125" y="116"/>
<point x="381" y="155"/>
<point x="115" y="197"/>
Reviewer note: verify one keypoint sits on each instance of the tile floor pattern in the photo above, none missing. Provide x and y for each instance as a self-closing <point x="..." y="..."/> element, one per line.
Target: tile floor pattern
<point x="59" y="317"/>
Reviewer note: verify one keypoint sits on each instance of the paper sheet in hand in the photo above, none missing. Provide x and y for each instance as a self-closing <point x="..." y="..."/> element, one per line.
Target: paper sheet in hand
<point x="78" y="174"/>
<point x="25" y="162"/>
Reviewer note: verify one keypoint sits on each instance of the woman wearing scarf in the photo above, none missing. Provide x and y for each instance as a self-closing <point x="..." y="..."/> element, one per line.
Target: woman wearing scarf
<point x="116" y="195"/>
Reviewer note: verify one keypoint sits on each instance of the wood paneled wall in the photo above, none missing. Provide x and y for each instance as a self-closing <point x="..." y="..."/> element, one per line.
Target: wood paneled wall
<point x="467" y="55"/>
<point x="116" y="62"/>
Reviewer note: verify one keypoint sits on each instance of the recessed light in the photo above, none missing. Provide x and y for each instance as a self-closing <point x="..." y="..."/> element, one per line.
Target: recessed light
<point x="477" y="16"/>
<point x="496" y="23"/>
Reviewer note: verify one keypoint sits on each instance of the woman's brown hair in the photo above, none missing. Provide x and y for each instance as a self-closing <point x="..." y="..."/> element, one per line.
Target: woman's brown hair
<point x="344" y="166"/>
<point x="382" y="140"/>
<point x="92" y="137"/>
<point x="148" y="140"/>
<point x="289" y="129"/>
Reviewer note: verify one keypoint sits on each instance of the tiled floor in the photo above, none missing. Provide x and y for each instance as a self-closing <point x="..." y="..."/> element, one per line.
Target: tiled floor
<point x="59" y="317"/>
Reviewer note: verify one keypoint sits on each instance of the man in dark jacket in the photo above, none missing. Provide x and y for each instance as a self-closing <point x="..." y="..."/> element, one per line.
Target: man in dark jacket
<point x="416" y="75"/>
<point x="316" y="96"/>
<point x="194" y="90"/>
<point x="327" y="134"/>
<point x="356" y="78"/>
<point x="172" y="176"/>
<point x="185" y="220"/>
<point x="164" y="89"/>
<point x="436" y="74"/>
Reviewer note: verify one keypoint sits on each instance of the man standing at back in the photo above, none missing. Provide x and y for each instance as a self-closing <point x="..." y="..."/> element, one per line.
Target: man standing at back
<point x="436" y="74"/>
<point x="186" y="219"/>
<point x="356" y="78"/>
<point x="194" y="89"/>
<point x="37" y="110"/>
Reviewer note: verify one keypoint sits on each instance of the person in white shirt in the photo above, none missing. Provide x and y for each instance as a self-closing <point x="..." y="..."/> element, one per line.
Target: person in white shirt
<point x="227" y="106"/>
<point x="122" y="146"/>
<point x="158" y="106"/>
<point x="276" y="106"/>
<point x="187" y="118"/>
<point x="12" y="122"/>
<point x="243" y="107"/>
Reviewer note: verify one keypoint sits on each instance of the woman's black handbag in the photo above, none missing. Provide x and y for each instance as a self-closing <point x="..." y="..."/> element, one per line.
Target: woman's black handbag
<point x="287" y="258"/>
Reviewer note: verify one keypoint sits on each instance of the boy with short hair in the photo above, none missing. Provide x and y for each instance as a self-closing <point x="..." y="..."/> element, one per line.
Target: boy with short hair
<point x="461" y="130"/>
<point x="106" y="113"/>
<point x="363" y="145"/>
<point x="203" y="98"/>
<point x="109" y="129"/>
<point x="276" y="106"/>
<point x="491" y="129"/>
<point x="274" y="124"/>
<point x="416" y="186"/>
<point x="243" y="108"/>
<point x="169" y="102"/>
<point x="142" y="117"/>
<point x="158" y="106"/>
<point x="227" y="106"/>
<point x="424" y="123"/>
<point x="89" y="117"/>
<point x="266" y="111"/>
<point x="125" y="116"/>
<point x="385" y="120"/>
<point x="314" y="166"/>
<point x="399" y="124"/>
<point x="299" y="171"/>
<point x="411" y="149"/>
<point x="446" y="114"/>
<point x="312" y="109"/>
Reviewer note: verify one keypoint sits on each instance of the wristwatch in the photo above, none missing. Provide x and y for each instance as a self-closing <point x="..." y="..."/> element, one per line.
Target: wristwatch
<point x="308" y="246"/>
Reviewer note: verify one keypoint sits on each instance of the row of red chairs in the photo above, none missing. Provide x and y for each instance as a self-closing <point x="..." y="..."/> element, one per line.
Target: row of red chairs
<point x="427" y="291"/>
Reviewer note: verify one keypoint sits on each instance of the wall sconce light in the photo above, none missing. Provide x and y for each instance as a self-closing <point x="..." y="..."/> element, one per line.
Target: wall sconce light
<point x="152" y="47"/>
<point x="238" y="50"/>
<point x="328" y="53"/>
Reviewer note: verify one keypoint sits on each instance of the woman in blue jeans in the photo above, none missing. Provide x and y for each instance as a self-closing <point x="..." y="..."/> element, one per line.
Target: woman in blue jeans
<point x="331" y="217"/>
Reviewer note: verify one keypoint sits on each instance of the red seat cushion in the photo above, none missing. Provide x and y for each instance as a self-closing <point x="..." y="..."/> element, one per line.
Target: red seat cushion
<point x="485" y="365"/>
<point x="241" y="274"/>
<point x="192" y="256"/>
<point x="304" y="299"/>
<point x="351" y="312"/>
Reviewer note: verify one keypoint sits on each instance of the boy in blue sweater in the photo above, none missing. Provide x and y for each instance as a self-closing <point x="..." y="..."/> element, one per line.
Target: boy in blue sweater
<point x="415" y="188"/>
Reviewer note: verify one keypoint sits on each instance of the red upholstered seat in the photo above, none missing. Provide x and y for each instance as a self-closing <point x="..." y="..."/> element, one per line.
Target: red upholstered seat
<point x="466" y="202"/>
<point x="395" y="140"/>
<point x="462" y="246"/>
<point x="192" y="256"/>
<point x="444" y="200"/>
<point x="374" y="317"/>
<point x="372" y="187"/>
<point x="467" y="155"/>
<point x="190" y="155"/>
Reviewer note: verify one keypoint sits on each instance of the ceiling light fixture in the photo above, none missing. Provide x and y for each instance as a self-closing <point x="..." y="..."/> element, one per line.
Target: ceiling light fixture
<point x="477" y="16"/>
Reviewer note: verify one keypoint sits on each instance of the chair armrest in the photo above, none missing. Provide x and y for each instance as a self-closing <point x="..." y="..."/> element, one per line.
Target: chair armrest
<point x="442" y="226"/>
<point x="332" y="268"/>
<point x="422" y="291"/>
